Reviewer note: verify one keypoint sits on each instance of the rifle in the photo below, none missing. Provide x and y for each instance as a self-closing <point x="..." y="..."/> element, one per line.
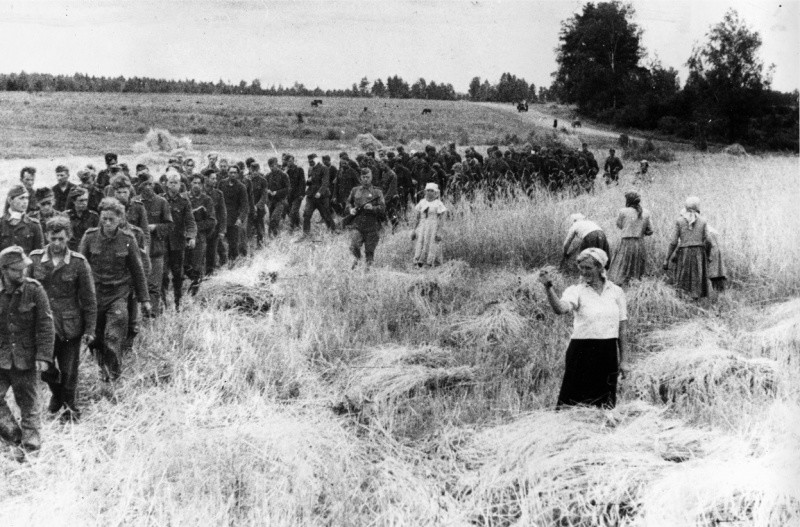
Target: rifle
<point x="347" y="220"/>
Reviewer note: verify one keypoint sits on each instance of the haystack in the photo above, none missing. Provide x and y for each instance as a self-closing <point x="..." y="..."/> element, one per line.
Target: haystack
<point x="388" y="374"/>
<point x="159" y="145"/>
<point x="735" y="150"/>
<point x="696" y="378"/>
<point x="368" y="142"/>
<point x="777" y="336"/>
<point x="252" y="290"/>
<point x="579" y="466"/>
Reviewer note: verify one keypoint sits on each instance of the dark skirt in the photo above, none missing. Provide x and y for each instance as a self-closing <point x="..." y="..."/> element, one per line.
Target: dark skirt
<point x="691" y="273"/>
<point x="596" y="239"/>
<point x="629" y="261"/>
<point x="590" y="373"/>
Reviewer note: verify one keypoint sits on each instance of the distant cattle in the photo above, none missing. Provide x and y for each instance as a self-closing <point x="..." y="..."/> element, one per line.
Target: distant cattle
<point x="522" y="107"/>
<point x="576" y="124"/>
<point x="299" y="117"/>
<point x="555" y="123"/>
<point x="426" y="111"/>
<point x="316" y="102"/>
<point x="365" y="110"/>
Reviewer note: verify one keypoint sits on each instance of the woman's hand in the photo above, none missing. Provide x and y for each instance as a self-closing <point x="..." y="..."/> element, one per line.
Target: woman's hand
<point x="545" y="278"/>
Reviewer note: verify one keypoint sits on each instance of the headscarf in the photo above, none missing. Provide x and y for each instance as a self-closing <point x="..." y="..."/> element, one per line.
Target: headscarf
<point x="598" y="255"/>
<point x="691" y="210"/>
<point x="633" y="200"/>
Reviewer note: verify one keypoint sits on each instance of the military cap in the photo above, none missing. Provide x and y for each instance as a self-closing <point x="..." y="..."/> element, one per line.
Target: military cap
<point x="44" y="193"/>
<point x="249" y="161"/>
<point x="343" y="155"/>
<point x="12" y="255"/>
<point x="111" y="158"/>
<point x="61" y="168"/>
<point x="312" y="156"/>
<point x="326" y="157"/>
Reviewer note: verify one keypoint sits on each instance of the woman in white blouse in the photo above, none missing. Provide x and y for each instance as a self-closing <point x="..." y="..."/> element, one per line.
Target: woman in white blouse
<point x="596" y="351"/>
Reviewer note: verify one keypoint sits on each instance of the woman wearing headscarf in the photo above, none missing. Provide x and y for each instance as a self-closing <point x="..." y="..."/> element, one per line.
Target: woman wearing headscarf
<point x="596" y="352"/>
<point x="688" y="250"/>
<point x="630" y="257"/>
<point x="587" y="234"/>
<point x="426" y="234"/>
<point x="16" y="227"/>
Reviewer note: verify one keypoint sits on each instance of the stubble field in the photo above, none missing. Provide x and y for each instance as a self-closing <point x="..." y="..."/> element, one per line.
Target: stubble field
<point x="399" y="397"/>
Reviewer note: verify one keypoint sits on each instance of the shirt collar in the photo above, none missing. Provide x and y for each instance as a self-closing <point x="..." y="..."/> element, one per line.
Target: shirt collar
<point x="46" y="256"/>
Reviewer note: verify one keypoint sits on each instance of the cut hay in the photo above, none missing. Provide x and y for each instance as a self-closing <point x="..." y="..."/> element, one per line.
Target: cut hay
<point x="652" y="302"/>
<point x="368" y="142"/>
<point x="778" y="335"/>
<point x="251" y="290"/>
<point x="690" y="334"/>
<point x="418" y="145"/>
<point x="497" y="322"/>
<point x="388" y="374"/>
<point x="578" y="466"/>
<point x="689" y="379"/>
<point x="160" y="140"/>
<point x="735" y="150"/>
<point x="753" y="481"/>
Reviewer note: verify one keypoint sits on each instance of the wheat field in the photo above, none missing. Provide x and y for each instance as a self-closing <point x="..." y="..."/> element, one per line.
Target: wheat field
<point x="403" y="397"/>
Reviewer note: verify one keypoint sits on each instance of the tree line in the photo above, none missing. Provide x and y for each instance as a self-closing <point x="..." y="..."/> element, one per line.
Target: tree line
<point x="602" y="69"/>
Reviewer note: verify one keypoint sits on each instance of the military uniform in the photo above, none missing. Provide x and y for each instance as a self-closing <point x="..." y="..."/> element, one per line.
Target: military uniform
<point x="212" y="240"/>
<point x="160" y="215"/>
<point x="183" y="228"/>
<point x="70" y="290"/>
<point x="277" y="182"/>
<point x="259" y="184"/>
<point x="297" y="185"/>
<point x="116" y="265"/>
<point x="81" y="222"/>
<point x="27" y="233"/>
<point x="367" y="224"/>
<point x="206" y="221"/>
<point x="26" y="336"/>
<point x="237" y="207"/>
<point x="318" y="183"/>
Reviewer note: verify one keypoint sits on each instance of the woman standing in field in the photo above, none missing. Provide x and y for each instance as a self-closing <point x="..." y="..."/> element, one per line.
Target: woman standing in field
<point x="428" y="248"/>
<point x="688" y="250"/>
<point x="16" y="227"/>
<point x="596" y="351"/>
<point x="630" y="258"/>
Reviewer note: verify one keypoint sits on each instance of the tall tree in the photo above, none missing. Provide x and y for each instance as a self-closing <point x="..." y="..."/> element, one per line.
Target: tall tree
<point x="600" y="47"/>
<point x="727" y="75"/>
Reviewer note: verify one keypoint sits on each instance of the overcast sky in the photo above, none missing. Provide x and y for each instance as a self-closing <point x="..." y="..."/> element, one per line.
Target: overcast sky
<point x="334" y="43"/>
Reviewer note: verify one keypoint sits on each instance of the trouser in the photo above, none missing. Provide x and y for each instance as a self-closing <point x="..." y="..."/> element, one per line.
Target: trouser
<point x="392" y="208"/>
<point x="112" y="323"/>
<point x="257" y="225"/>
<point x="67" y="357"/>
<point x="23" y="384"/>
<point x="276" y="211"/>
<point x="223" y="248"/>
<point x="369" y="239"/>
<point x="243" y="238"/>
<point x="196" y="263"/>
<point x="232" y="235"/>
<point x="323" y="205"/>
<point x="173" y="261"/>
<point x="154" y="280"/>
<point x="212" y="246"/>
<point x="294" y="212"/>
<point x="134" y="315"/>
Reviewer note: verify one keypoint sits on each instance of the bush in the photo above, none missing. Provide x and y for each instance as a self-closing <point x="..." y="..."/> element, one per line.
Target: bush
<point x="199" y="130"/>
<point x="668" y="124"/>
<point x="331" y="135"/>
<point x="648" y="151"/>
<point x="623" y="140"/>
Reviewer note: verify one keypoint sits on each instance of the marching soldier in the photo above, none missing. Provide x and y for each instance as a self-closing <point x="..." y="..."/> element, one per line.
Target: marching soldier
<point x="367" y="207"/>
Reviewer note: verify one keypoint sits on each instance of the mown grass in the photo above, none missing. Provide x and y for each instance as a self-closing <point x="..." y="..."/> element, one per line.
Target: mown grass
<point x="400" y="397"/>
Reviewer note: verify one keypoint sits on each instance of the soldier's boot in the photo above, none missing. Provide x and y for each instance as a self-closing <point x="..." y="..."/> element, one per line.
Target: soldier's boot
<point x="72" y="412"/>
<point x="31" y="441"/>
<point x="56" y="399"/>
<point x="9" y="428"/>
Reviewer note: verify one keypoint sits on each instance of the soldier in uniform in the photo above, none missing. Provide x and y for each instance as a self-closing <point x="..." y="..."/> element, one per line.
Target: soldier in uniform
<point x="46" y="200"/>
<point x="297" y="188"/>
<point x="26" y="347"/>
<point x="612" y="167"/>
<point x="206" y="221"/>
<point x="116" y="266"/>
<point x="104" y="177"/>
<point x="276" y="192"/>
<point x="259" y="184"/>
<point x="16" y="226"/>
<point x="27" y="177"/>
<point x="182" y="236"/>
<point x="237" y="206"/>
<point x="346" y="181"/>
<point x="318" y="196"/>
<point x="216" y="237"/>
<point x="69" y="284"/>
<point x="62" y="189"/>
<point x="95" y="194"/>
<point x="159" y="220"/>
<point x="367" y="207"/>
<point x="80" y="216"/>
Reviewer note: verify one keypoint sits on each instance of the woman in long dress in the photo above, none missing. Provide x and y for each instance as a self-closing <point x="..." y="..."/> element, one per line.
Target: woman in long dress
<point x="688" y="251"/>
<point x="630" y="258"/>
<point x="427" y="236"/>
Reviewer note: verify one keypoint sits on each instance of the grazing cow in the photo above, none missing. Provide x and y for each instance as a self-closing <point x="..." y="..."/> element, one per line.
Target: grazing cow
<point x="576" y="124"/>
<point x="426" y="111"/>
<point x="299" y="117"/>
<point x="555" y="123"/>
<point x="365" y="110"/>
<point x="316" y="102"/>
<point x="522" y="107"/>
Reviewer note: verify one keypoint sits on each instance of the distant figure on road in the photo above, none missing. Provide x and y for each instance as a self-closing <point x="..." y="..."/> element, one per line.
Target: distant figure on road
<point x="612" y="167"/>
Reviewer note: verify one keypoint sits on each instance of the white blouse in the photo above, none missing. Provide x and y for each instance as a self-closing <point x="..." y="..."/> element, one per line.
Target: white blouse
<point x="596" y="316"/>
